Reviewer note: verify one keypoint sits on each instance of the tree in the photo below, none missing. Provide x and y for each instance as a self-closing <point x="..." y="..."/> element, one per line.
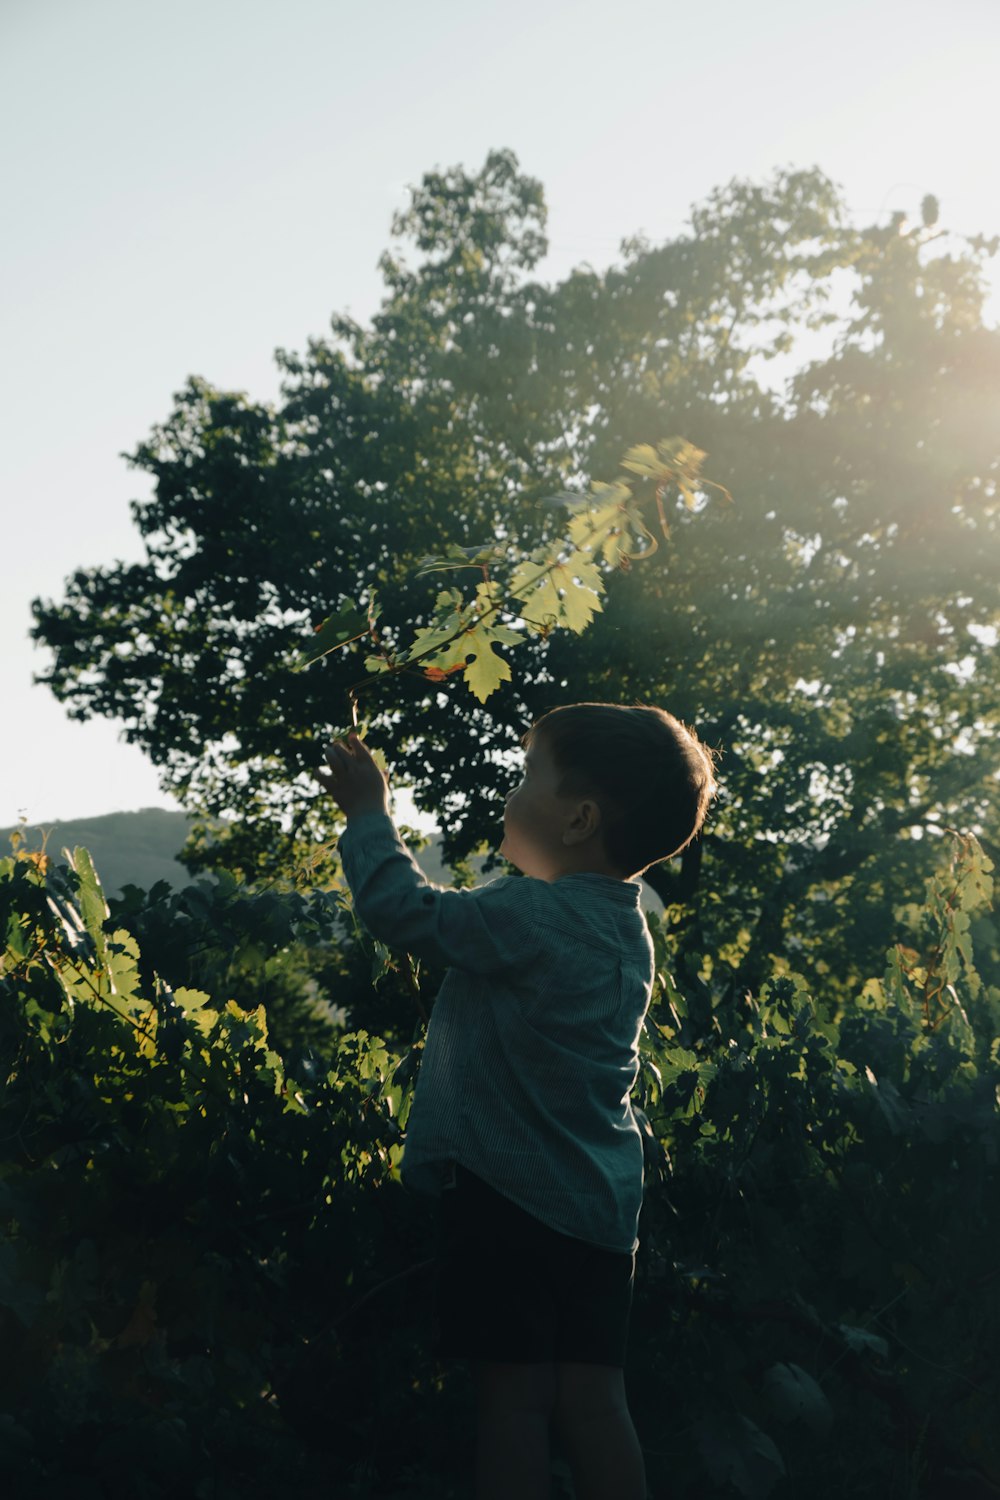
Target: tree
<point x="830" y="632"/>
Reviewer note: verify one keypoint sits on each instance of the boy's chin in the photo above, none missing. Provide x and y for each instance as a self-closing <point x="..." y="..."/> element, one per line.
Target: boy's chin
<point x="510" y="855"/>
<point x="522" y="862"/>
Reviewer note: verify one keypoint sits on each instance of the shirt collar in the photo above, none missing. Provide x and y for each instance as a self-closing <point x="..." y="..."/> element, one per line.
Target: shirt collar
<point x="622" y="892"/>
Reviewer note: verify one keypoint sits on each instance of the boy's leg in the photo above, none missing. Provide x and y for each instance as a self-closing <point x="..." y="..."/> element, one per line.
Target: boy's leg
<point x="592" y="1419"/>
<point x="514" y="1406"/>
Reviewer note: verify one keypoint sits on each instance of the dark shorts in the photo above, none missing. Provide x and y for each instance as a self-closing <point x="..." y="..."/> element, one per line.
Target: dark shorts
<point x="512" y="1290"/>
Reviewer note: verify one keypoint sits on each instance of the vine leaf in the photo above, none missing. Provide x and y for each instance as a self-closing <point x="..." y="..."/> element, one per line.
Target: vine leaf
<point x="473" y="654"/>
<point x="597" y="523"/>
<point x="460" y="557"/>
<point x="644" y="460"/>
<point x="557" y="593"/>
<point x="447" y="621"/>
<point x="348" y="624"/>
<point x="462" y="638"/>
<point x="794" y="1395"/>
<point x="92" y="902"/>
<point x="485" y="670"/>
<point x="123" y="964"/>
<point x="737" y="1453"/>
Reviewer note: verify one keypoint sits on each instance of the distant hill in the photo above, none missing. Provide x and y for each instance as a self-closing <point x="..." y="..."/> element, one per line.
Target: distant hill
<point x="128" y="848"/>
<point x="140" y="848"/>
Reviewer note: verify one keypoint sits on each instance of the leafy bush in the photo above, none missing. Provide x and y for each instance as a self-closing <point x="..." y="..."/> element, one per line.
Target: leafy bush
<point x="188" y="1230"/>
<point x="212" y="1282"/>
<point x="819" y="1296"/>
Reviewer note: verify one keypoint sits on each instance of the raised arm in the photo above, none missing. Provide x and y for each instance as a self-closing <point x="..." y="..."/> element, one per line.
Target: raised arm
<point x="483" y="931"/>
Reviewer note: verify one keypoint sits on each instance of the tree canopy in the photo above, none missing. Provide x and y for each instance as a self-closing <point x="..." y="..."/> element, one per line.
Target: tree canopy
<point x="831" y="632"/>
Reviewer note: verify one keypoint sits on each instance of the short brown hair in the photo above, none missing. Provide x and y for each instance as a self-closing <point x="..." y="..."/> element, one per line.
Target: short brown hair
<point x="652" y="777"/>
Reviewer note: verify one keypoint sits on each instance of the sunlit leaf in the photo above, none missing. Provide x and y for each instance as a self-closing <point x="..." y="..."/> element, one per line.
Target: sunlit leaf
<point x="645" y="461"/>
<point x="485" y="670"/>
<point x="123" y="964"/>
<point x="93" y="906"/>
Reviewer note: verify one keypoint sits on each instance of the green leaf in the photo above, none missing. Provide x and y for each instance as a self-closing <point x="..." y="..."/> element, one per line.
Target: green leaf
<point x="682" y="458"/>
<point x="17" y="937"/>
<point x="485" y="670"/>
<point x="465" y="640"/>
<point x="92" y="903"/>
<point x="383" y="962"/>
<point x="473" y="652"/>
<point x="558" y="593"/>
<point x="795" y="1396"/>
<point x="198" y="1008"/>
<point x="593" y="528"/>
<point x="448" y="619"/>
<point x="735" y="1451"/>
<point x="123" y="964"/>
<point x="644" y="460"/>
<point x="532" y="586"/>
<point x="861" y="1341"/>
<point x="348" y="624"/>
<point x="579" y="583"/>
<point x="460" y="557"/>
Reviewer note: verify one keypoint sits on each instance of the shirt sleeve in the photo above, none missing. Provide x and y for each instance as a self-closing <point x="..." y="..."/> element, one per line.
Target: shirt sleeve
<point x="482" y="931"/>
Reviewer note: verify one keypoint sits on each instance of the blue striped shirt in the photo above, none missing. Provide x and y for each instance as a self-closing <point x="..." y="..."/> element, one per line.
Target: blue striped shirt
<point x="533" y="1045"/>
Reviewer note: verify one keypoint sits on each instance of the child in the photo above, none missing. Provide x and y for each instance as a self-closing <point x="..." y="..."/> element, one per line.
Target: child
<point x="521" y="1122"/>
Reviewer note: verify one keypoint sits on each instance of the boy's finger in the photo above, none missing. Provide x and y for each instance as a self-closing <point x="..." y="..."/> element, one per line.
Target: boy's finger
<point x="357" y="743"/>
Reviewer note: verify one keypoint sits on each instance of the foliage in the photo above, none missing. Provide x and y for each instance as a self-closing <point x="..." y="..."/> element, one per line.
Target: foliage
<point x="283" y="944"/>
<point x="186" y="1226"/>
<point x="210" y="1279"/>
<point x="821" y="1232"/>
<point x="272" y="945"/>
<point x="555" y="585"/>
<point x="830" y="632"/>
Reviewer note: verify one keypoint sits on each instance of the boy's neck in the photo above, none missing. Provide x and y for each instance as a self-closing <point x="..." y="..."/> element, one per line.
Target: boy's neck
<point x="582" y="862"/>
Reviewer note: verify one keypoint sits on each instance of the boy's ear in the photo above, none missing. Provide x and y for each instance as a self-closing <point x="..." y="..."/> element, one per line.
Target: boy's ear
<point x="586" y="821"/>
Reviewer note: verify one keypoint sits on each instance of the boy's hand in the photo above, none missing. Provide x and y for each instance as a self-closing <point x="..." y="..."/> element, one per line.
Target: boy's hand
<point x="354" y="781"/>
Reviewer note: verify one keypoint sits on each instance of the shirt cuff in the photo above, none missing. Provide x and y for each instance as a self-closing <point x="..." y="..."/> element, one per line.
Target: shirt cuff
<point x="362" y="825"/>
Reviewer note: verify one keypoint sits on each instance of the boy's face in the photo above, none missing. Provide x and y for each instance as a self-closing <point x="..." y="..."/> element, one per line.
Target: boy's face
<point x="536" y="817"/>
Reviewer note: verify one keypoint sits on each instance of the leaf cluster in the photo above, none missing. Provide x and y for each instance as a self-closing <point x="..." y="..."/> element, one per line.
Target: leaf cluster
<point x="555" y="585"/>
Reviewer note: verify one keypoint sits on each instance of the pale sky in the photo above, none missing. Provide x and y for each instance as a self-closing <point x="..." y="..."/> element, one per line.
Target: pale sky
<point x="187" y="186"/>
